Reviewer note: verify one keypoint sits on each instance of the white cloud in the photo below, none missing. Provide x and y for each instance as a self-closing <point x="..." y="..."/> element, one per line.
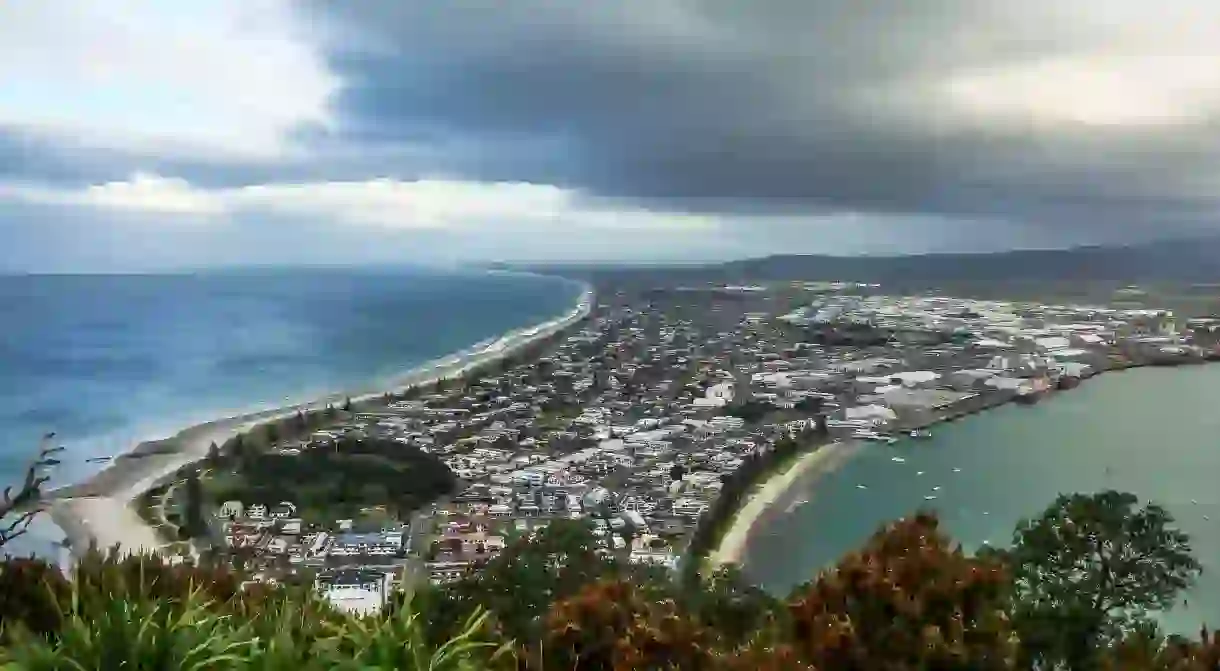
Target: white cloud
<point x="196" y="76"/>
<point x="1098" y="90"/>
<point x="1132" y="64"/>
<point x="385" y="203"/>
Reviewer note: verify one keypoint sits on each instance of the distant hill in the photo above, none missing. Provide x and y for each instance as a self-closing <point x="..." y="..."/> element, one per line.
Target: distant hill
<point x="1195" y="260"/>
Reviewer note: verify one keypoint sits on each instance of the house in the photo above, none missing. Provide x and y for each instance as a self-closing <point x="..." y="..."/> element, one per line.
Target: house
<point x="356" y="591"/>
<point x="1052" y="343"/>
<point x="1085" y="340"/>
<point x="283" y="511"/>
<point x="257" y="511"/>
<point x="595" y="497"/>
<point x="230" y="509"/>
<point x="688" y="507"/>
<point x="354" y="544"/>
<point x="917" y="378"/>
<point x="717" y="396"/>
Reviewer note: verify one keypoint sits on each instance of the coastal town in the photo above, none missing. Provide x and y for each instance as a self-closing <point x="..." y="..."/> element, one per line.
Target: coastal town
<point x="635" y="417"/>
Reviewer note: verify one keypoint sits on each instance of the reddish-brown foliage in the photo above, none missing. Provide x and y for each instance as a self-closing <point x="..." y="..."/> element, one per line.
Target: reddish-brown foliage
<point x="150" y="577"/>
<point x="610" y="626"/>
<point x="33" y="594"/>
<point x="36" y="594"/>
<point x="758" y="658"/>
<point x="908" y="600"/>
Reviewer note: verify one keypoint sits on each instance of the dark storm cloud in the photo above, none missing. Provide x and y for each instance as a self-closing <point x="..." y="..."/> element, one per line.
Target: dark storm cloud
<point x="796" y="105"/>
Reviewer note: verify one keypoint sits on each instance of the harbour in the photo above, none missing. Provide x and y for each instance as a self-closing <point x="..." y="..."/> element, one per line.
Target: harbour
<point x="983" y="473"/>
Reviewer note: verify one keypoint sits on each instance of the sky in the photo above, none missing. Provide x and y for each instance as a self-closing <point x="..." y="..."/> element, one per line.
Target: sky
<point x="142" y="135"/>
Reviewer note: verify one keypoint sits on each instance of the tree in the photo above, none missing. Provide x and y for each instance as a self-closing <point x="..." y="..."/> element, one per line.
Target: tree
<point x="731" y="606"/>
<point x="237" y="447"/>
<point x="751" y="411"/>
<point x="1088" y="571"/>
<point x="613" y="624"/>
<point x="272" y="432"/>
<point x="809" y="404"/>
<point x="347" y="404"/>
<point x="907" y="601"/>
<point x="193" y="504"/>
<point x="19" y="508"/>
<point x="213" y="457"/>
<point x="529" y="575"/>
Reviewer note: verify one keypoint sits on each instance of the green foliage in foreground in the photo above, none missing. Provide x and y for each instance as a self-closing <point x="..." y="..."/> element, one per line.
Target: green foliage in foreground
<point x="1075" y="591"/>
<point x="112" y="626"/>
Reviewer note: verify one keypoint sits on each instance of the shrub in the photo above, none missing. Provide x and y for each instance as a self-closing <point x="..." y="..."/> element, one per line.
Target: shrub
<point x="906" y="601"/>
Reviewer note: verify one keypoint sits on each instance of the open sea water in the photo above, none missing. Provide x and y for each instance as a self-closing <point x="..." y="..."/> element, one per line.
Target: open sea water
<point x="107" y="361"/>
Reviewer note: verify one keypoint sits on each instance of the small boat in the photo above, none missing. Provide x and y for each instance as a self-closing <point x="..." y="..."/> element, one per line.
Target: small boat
<point x="936" y="488"/>
<point x="918" y="472"/>
<point x="98" y="460"/>
<point x="918" y="434"/>
<point x="861" y="487"/>
<point x="864" y="434"/>
<point x="957" y="470"/>
<point x="929" y="497"/>
<point x="898" y="460"/>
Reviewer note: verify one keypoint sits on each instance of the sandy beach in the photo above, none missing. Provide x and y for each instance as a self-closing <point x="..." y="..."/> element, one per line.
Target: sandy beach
<point x="99" y="510"/>
<point x="770" y="493"/>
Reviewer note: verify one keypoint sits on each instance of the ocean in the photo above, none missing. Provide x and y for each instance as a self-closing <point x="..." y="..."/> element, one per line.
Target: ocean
<point x="1153" y="432"/>
<point x="107" y="361"/>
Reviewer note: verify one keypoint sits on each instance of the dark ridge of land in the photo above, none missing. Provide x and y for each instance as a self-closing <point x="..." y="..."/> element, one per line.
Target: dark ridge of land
<point x="1180" y="261"/>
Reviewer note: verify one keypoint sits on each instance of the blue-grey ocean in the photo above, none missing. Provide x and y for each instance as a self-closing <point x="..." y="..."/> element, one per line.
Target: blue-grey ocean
<point x="107" y="361"/>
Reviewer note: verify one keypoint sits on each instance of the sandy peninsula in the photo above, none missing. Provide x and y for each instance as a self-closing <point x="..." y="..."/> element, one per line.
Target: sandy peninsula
<point x="770" y="493"/>
<point x="99" y="510"/>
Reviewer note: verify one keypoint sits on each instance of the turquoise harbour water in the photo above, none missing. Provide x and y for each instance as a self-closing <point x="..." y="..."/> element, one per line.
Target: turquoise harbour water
<point x="1153" y="432"/>
<point x="107" y="361"/>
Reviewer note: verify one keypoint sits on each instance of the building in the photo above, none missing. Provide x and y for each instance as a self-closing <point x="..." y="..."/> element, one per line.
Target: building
<point x="356" y="591"/>
<point x="385" y="543"/>
<point x="230" y="510"/>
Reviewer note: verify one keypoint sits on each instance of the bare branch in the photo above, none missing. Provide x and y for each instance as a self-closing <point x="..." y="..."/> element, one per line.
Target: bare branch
<point x="18" y="510"/>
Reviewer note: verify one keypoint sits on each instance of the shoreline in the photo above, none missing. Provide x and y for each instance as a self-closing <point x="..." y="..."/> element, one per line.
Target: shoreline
<point x="814" y="464"/>
<point x="764" y="495"/>
<point x="98" y="510"/>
